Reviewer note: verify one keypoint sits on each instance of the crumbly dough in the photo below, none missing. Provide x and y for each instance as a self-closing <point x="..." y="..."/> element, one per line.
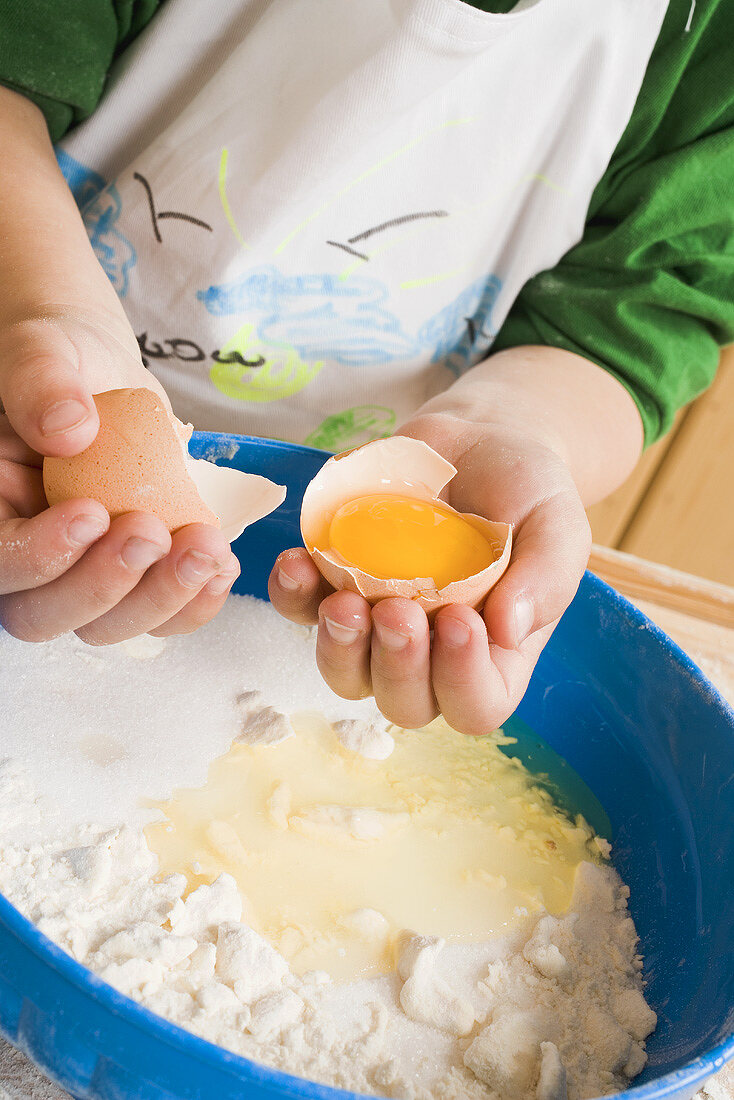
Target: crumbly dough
<point x="554" y="1011"/>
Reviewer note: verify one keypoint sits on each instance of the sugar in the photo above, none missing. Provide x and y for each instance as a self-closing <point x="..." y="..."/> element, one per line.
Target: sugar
<point x="95" y="727"/>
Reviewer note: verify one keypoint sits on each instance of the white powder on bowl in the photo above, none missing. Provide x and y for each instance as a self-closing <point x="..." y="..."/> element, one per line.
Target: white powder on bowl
<point x="553" y="1010"/>
<point x="98" y="727"/>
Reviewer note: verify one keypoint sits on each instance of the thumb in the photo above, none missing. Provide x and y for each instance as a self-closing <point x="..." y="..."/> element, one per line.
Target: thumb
<point x="549" y="557"/>
<point x="42" y="389"/>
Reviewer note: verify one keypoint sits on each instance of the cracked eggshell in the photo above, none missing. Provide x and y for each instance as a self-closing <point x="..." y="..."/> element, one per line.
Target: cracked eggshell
<point x="407" y="467"/>
<point x="138" y="462"/>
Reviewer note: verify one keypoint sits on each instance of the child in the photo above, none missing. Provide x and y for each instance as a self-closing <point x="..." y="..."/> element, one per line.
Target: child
<point x="315" y="221"/>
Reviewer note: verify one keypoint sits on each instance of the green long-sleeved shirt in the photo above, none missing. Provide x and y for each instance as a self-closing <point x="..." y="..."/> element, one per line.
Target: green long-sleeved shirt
<point x="648" y="293"/>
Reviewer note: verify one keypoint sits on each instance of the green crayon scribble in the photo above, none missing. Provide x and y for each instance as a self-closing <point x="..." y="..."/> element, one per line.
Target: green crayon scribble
<point x="274" y="380"/>
<point x="459" y="212"/>
<point x="347" y="429"/>
<point x="429" y="280"/>
<point x="225" y="201"/>
<point x="382" y="163"/>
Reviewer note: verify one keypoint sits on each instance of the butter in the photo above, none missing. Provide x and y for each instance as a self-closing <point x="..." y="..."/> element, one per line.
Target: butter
<point x="335" y="854"/>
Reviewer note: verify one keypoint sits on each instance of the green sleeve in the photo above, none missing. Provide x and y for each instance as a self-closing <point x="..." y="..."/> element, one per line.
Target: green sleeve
<point x="648" y="293"/>
<point x="58" y="54"/>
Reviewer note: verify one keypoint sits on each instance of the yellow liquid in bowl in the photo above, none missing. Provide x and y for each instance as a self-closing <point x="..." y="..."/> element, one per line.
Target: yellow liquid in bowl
<point x="449" y="836"/>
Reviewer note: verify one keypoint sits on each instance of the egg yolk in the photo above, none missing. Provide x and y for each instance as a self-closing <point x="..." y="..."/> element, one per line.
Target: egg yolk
<point x="400" y="538"/>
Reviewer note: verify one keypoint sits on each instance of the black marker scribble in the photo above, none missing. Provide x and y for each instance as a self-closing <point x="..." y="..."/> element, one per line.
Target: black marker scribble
<point x="177" y="345"/>
<point x="472" y="326"/>
<point x="187" y="351"/>
<point x="351" y="251"/>
<point x="154" y="351"/>
<point x="159" y="215"/>
<point x="402" y="220"/>
<point x="398" y="221"/>
<point x="238" y="357"/>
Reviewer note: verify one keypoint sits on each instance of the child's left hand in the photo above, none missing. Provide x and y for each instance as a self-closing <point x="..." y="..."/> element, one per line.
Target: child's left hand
<point x="477" y="665"/>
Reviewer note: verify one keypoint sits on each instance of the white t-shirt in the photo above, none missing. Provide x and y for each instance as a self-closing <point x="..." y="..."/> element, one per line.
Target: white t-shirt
<point x="317" y="213"/>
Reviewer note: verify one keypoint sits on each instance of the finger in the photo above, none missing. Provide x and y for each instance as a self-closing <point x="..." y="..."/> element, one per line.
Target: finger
<point x="198" y="553"/>
<point x="514" y="667"/>
<point x="401" y="665"/>
<point x="478" y="685"/>
<point x="21" y="484"/>
<point x="21" y="488"/>
<point x="203" y="607"/>
<point x="296" y="588"/>
<point x="14" y="449"/>
<point x="106" y="573"/>
<point x="343" y="644"/>
<point x="466" y="685"/>
<point x="549" y="557"/>
<point x="37" y="550"/>
<point x="42" y="391"/>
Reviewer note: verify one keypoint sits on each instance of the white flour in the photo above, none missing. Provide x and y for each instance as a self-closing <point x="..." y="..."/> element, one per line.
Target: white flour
<point x="553" y="1011"/>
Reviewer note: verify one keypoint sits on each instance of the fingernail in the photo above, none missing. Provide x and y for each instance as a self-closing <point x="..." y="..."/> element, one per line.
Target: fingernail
<point x="391" y="639"/>
<point x="140" y="553"/>
<point x="219" y="584"/>
<point x="286" y="581"/>
<point x="63" y="416"/>
<point x="84" y="530"/>
<point x="453" y="632"/>
<point x="524" y="614"/>
<point x="342" y="635"/>
<point x="195" y="568"/>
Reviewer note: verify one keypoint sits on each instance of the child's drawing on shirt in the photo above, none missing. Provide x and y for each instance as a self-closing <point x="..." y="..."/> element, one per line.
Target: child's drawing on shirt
<point x="278" y="373"/>
<point x="460" y="333"/>
<point x="113" y="250"/>
<point x="349" y="321"/>
<point x="320" y="315"/>
<point x="100" y="206"/>
<point x="288" y="326"/>
<point x="351" y="427"/>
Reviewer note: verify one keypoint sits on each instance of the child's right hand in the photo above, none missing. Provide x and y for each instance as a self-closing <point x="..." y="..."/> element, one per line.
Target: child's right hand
<point x="70" y="567"/>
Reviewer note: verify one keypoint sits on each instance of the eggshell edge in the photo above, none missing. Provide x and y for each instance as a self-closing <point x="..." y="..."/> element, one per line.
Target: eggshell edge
<point x="237" y="498"/>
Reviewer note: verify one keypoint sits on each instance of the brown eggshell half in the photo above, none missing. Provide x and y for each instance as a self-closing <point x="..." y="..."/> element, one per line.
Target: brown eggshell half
<point x="138" y="462"/>
<point x="406" y="467"/>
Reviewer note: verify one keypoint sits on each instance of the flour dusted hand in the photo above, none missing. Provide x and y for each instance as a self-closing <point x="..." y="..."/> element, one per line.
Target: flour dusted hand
<point x="525" y="455"/>
<point x="63" y="338"/>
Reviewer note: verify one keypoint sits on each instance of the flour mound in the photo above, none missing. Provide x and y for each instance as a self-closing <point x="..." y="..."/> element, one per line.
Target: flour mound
<point x="568" y="1007"/>
<point x="552" y="1011"/>
<point x="555" y="1012"/>
<point x="368" y="737"/>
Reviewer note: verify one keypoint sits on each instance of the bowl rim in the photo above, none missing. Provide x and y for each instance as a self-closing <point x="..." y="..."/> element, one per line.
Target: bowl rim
<point x="118" y="1006"/>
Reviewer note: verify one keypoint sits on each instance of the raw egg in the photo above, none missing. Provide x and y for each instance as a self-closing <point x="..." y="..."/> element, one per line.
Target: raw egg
<point x="373" y="521"/>
<point x="139" y="462"/>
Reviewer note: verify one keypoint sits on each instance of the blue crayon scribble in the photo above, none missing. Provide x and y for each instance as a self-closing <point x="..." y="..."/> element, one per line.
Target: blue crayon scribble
<point x="84" y="183"/>
<point x="321" y="316"/>
<point x="100" y="206"/>
<point x="113" y="250"/>
<point x="349" y="322"/>
<point x="460" y="332"/>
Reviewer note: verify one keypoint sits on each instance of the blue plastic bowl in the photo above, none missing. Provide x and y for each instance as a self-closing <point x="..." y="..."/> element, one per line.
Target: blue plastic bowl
<point x="627" y="709"/>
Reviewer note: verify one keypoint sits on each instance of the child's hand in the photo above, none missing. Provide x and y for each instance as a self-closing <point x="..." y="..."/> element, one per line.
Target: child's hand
<point x="535" y="433"/>
<point x="476" y="668"/>
<point x="68" y="567"/>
